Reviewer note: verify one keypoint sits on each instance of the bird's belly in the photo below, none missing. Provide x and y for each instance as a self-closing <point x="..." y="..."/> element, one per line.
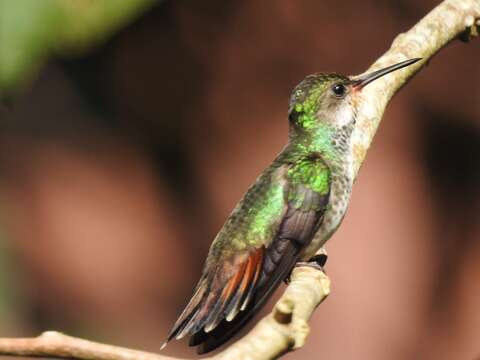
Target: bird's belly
<point x="338" y="204"/>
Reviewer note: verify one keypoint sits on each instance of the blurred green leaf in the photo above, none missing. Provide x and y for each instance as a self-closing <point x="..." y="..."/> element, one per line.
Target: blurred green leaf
<point x="91" y="22"/>
<point x="30" y="30"/>
<point x="27" y="30"/>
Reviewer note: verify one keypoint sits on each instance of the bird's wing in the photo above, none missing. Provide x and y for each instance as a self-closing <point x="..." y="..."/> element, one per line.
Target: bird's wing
<point x="255" y="250"/>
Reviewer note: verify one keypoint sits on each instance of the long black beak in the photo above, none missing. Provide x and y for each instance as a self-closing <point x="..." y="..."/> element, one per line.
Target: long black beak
<point x="366" y="79"/>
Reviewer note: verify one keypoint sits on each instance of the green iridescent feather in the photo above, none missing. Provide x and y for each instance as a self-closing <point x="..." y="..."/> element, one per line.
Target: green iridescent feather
<point x="313" y="174"/>
<point x="256" y="218"/>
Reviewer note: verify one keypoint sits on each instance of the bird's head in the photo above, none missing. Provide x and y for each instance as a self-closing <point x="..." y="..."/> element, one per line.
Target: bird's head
<point x="330" y="100"/>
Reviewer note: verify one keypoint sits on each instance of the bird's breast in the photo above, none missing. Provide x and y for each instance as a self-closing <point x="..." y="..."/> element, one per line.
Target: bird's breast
<point x="340" y="191"/>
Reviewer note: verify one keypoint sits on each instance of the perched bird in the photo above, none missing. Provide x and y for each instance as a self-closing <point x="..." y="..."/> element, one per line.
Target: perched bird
<point x="290" y="211"/>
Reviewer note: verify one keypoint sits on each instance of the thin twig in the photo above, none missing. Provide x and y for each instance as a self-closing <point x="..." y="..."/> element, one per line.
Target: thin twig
<point x="55" y="344"/>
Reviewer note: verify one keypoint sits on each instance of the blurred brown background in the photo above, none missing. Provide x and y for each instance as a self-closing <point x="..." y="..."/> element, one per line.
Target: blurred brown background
<point x="117" y="169"/>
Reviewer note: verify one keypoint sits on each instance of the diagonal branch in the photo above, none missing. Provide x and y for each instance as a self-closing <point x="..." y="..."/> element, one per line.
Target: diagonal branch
<point x="286" y="328"/>
<point x="449" y="20"/>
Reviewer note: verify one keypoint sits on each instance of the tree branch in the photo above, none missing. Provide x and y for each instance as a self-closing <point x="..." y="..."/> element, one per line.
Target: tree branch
<point x="449" y="20"/>
<point x="286" y="328"/>
<point x="55" y="344"/>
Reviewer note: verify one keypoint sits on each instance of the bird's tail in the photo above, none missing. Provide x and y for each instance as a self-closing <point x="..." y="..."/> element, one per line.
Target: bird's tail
<point x="210" y="327"/>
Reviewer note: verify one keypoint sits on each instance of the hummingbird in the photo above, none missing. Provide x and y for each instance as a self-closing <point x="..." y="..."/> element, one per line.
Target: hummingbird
<point x="291" y="210"/>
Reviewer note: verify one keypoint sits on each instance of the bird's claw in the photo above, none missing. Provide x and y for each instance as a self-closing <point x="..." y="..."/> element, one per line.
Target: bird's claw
<point x="317" y="262"/>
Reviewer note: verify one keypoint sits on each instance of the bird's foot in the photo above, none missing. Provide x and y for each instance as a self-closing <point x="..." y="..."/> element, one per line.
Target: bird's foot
<point x="317" y="262"/>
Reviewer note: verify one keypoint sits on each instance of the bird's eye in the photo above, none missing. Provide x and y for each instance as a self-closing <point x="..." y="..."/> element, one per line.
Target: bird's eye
<point x="339" y="90"/>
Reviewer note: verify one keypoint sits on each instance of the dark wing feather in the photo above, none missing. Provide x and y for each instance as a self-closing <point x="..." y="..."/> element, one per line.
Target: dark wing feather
<point x="226" y="330"/>
<point x="295" y="232"/>
<point x="230" y="295"/>
<point x="219" y="294"/>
